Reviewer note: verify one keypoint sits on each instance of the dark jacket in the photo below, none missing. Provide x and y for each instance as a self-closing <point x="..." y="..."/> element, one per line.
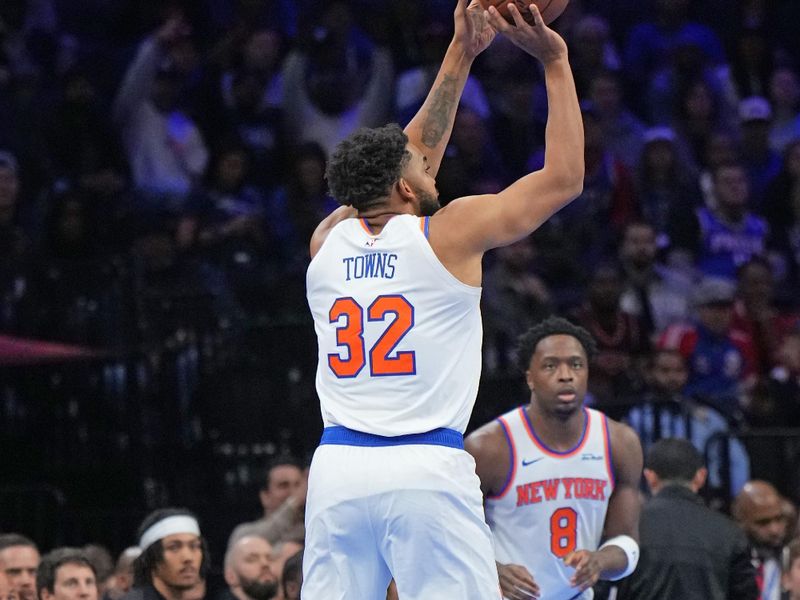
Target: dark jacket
<point x="689" y="551"/>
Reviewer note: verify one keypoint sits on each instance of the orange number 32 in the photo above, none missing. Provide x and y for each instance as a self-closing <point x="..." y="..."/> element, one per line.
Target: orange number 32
<point x="563" y="531"/>
<point x="350" y="335"/>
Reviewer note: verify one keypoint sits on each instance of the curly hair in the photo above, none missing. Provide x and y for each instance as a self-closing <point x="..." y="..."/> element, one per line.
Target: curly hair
<point x="527" y="342"/>
<point x="364" y="166"/>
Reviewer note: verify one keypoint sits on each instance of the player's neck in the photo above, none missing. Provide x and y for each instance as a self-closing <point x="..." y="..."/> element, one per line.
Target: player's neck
<point x="557" y="432"/>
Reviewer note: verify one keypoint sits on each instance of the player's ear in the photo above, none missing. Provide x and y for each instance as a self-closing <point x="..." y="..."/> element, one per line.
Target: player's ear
<point x="404" y="189"/>
<point x="529" y="380"/>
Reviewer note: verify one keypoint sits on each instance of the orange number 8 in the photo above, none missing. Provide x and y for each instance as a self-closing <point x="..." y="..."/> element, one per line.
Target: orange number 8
<point x="563" y="531"/>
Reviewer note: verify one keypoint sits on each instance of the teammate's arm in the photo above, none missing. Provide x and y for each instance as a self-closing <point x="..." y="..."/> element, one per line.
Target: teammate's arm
<point x="622" y="517"/>
<point x="474" y="224"/>
<point x="430" y="128"/>
<point x="489" y="448"/>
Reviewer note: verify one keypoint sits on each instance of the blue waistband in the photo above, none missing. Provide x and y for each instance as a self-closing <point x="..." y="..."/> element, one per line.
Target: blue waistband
<point x="343" y="436"/>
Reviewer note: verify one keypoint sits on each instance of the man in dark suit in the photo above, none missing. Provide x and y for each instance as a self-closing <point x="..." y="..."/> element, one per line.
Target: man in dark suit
<point x="688" y="551"/>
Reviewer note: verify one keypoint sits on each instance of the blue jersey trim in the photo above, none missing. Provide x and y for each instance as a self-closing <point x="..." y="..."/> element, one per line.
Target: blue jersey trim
<point x="426" y="231"/>
<point x="343" y="436"/>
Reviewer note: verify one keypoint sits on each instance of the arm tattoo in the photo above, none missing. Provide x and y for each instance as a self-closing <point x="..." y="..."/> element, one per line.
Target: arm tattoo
<point x="440" y="114"/>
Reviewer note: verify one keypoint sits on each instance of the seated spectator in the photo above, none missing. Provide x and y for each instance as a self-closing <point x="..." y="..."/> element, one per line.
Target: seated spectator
<point x="762" y="163"/>
<point x="756" y="316"/>
<point x="665" y="183"/>
<point x="249" y="570"/>
<point x="66" y="574"/>
<point x="706" y="557"/>
<point x="122" y="581"/>
<point x="782" y="211"/>
<point x="784" y="96"/>
<point x="19" y="560"/>
<point x="622" y="131"/>
<point x="283" y="500"/>
<point x="174" y="557"/>
<point x="621" y="339"/>
<point x="715" y="356"/>
<point x="726" y="236"/>
<point x="514" y="296"/>
<point x="666" y="411"/>
<point x="102" y="563"/>
<point x="779" y="406"/>
<point x="791" y="572"/>
<point x="292" y="577"/>
<point x="165" y="149"/>
<point x="758" y="511"/>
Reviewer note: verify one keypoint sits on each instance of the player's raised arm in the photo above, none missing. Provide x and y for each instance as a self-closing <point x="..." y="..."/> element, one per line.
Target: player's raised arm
<point x="485" y="222"/>
<point x="430" y="128"/>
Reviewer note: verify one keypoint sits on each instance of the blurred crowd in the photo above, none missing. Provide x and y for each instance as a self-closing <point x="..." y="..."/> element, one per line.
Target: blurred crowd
<point x="162" y="168"/>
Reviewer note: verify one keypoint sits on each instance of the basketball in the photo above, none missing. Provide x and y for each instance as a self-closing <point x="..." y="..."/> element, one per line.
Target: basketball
<point x="550" y="9"/>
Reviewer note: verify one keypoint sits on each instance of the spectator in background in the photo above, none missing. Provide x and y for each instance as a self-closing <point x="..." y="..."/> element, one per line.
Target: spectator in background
<point x="336" y="83"/>
<point x="757" y="318"/>
<point x="666" y="411"/>
<point x="750" y="59"/>
<point x="724" y="237"/>
<point x="514" y="296"/>
<point x="716" y="358"/>
<point x="66" y="574"/>
<point x="665" y="182"/>
<point x="784" y="96"/>
<point x="758" y="511"/>
<point x="282" y="552"/>
<point x="721" y="148"/>
<point x="623" y="132"/>
<point x="249" y="570"/>
<point x="283" y="500"/>
<point x="102" y="564"/>
<point x="19" y="559"/>
<point x="593" y="52"/>
<point x="122" y="581"/>
<point x="706" y="557"/>
<point x="782" y="211"/>
<point x="174" y="557"/>
<point x="791" y="571"/>
<point x="165" y="148"/>
<point x="762" y="163"/>
<point x="621" y="339"/>
<point x="779" y="406"/>
<point x="292" y="577"/>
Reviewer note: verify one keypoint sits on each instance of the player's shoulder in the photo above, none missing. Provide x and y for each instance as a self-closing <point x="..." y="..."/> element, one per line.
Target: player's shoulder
<point x="623" y="435"/>
<point x="487" y="441"/>
<point x="626" y="448"/>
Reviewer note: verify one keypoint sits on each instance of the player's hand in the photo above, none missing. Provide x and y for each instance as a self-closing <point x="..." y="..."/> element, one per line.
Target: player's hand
<point x="472" y="28"/>
<point x="537" y="40"/>
<point x="516" y="582"/>
<point x="587" y="568"/>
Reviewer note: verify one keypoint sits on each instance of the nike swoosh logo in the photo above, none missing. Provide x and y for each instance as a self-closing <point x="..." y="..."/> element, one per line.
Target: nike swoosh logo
<point x="525" y="463"/>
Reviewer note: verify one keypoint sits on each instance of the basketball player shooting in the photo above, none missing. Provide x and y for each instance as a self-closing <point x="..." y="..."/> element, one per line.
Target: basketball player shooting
<point x="559" y="478"/>
<point x="393" y="287"/>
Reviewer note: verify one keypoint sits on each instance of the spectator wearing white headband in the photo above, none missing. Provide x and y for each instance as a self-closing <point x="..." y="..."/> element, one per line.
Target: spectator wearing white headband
<point x="174" y="557"/>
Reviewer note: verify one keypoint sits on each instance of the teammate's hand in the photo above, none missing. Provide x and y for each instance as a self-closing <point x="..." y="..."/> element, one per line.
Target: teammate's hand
<point x="516" y="582"/>
<point x="537" y="40"/>
<point x="472" y="28"/>
<point x="587" y="568"/>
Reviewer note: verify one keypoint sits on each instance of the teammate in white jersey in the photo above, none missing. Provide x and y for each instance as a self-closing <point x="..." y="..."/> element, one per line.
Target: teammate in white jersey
<point x="395" y="300"/>
<point x="558" y="478"/>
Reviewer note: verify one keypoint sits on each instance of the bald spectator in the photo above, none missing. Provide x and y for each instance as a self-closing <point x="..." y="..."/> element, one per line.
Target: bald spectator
<point x="66" y="574"/>
<point x="249" y="570"/>
<point x="19" y="559"/>
<point x="706" y="557"/>
<point x="758" y="509"/>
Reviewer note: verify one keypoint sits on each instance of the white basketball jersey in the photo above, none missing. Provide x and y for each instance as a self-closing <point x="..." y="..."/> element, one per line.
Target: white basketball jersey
<point x="552" y="502"/>
<point x="399" y="336"/>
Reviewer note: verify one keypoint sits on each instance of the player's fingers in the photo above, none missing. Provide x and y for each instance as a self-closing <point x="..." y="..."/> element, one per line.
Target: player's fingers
<point x="572" y="559"/>
<point x="516" y="15"/>
<point x="537" y="16"/>
<point x="497" y="21"/>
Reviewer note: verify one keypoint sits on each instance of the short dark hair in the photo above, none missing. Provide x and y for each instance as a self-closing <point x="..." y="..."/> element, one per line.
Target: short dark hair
<point x="292" y="570"/>
<point x="53" y="561"/>
<point x="280" y="460"/>
<point x="364" y="166"/>
<point x="674" y="459"/>
<point x="146" y="562"/>
<point x="7" y="540"/>
<point x="527" y="342"/>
